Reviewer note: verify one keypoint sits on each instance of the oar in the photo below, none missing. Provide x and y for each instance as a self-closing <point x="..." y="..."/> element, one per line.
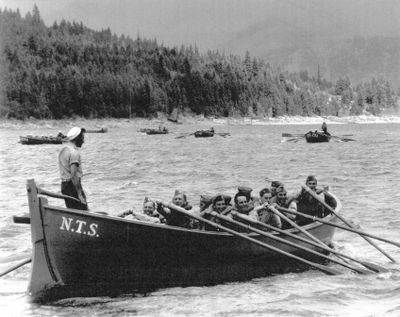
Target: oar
<point x="351" y="229"/>
<point x="305" y="232"/>
<point x="290" y="135"/>
<point x="26" y="261"/>
<point x="294" y="225"/>
<point x="368" y="265"/>
<point x="292" y="244"/>
<point x="223" y="134"/>
<point x="184" y="135"/>
<point x="322" y="268"/>
<point x="56" y="195"/>
<point x="342" y="139"/>
<point x="363" y="234"/>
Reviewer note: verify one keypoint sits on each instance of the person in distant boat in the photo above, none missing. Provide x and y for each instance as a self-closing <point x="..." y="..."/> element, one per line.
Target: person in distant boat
<point x="283" y="201"/>
<point x="307" y="204"/>
<point x="264" y="214"/>
<point x="220" y="204"/>
<point x="60" y="135"/>
<point x="148" y="214"/>
<point x="175" y="218"/>
<point x="212" y="129"/>
<point x="324" y="128"/>
<point x="69" y="163"/>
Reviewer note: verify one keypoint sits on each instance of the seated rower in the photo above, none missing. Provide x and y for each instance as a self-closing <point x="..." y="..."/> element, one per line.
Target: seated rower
<point x="220" y="205"/>
<point x="149" y="213"/>
<point x="244" y="204"/>
<point x="307" y="204"/>
<point x="274" y="186"/>
<point x="175" y="218"/>
<point x="283" y="201"/>
<point x="264" y="214"/>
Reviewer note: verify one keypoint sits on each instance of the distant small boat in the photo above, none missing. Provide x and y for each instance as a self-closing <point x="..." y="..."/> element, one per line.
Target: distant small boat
<point x="34" y="140"/>
<point x="204" y="133"/>
<point x="102" y="130"/>
<point x="154" y="131"/>
<point x="317" y="137"/>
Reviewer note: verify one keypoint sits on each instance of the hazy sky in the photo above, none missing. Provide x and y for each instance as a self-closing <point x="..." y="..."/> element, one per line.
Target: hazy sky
<point x="166" y="20"/>
<point x="231" y="24"/>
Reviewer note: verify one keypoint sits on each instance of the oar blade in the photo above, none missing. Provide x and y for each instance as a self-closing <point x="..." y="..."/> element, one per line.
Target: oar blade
<point x="374" y="267"/>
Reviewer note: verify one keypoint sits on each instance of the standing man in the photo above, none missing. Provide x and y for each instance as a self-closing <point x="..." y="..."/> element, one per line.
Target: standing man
<point x="69" y="162"/>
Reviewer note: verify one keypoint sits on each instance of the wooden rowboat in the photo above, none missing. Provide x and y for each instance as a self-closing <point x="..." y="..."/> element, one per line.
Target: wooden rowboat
<point x="102" y="130"/>
<point x="154" y="131"/>
<point x="80" y="253"/>
<point x="204" y="133"/>
<point x="34" y="140"/>
<point x="317" y="137"/>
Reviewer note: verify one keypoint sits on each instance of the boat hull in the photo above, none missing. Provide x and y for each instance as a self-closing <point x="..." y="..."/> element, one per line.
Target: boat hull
<point x="317" y="137"/>
<point x="31" y="140"/>
<point x="204" y="134"/>
<point x="79" y="253"/>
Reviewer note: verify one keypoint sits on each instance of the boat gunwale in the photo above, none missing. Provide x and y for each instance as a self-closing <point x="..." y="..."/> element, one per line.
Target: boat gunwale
<point x="164" y="226"/>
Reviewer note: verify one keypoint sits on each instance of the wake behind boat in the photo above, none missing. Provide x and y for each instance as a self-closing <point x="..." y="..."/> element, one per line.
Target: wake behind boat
<point x="78" y="253"/>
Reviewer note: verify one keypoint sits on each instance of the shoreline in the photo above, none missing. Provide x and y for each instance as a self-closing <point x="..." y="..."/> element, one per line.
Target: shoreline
<point x="185" y="120"/>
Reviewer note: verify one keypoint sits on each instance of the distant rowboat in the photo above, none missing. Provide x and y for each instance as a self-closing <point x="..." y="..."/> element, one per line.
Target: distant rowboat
<point x="102" y="130"/>
<point x="317" y="137"/>
<point x="204" y="133"/>
<point x="34" y="140"/>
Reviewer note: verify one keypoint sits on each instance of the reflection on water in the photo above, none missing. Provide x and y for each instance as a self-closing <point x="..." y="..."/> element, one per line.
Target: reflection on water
<point x="123" y="166"/>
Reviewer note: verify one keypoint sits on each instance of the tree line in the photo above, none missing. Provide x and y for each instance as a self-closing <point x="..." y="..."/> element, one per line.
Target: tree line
<point x="68" y="70"/>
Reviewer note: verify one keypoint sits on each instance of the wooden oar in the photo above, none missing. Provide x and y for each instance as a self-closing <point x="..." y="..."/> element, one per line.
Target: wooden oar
<point x="184" y="135"/>
<point x="292" y="244"/>
<point x="305" y="232"/>
<point x="342" y="139"/>
<point x="223" y="134"/>
<point x="294" y="225"/>
<point x="351" y="229"/>
<point x="290" y="135"/>
<point x="56" y="195"/>
<point x="368" y="265"/>
<point x="14" y="267"/>
<point x="363" y="234"/>
<point x="322" y="268"/>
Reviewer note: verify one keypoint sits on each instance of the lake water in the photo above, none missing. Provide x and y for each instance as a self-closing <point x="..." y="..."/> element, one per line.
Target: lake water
<point x="123" y="166"/>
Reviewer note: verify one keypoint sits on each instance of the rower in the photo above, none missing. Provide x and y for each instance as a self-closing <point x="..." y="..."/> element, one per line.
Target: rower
<point x="173" y="217"/>
<point x="308" y="204"/>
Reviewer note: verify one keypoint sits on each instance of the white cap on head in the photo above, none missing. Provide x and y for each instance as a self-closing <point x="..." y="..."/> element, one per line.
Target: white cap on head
<point x="73" y="133"/>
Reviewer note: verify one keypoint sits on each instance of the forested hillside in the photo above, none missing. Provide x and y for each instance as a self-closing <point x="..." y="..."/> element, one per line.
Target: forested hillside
<point x="67" y="70"/>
